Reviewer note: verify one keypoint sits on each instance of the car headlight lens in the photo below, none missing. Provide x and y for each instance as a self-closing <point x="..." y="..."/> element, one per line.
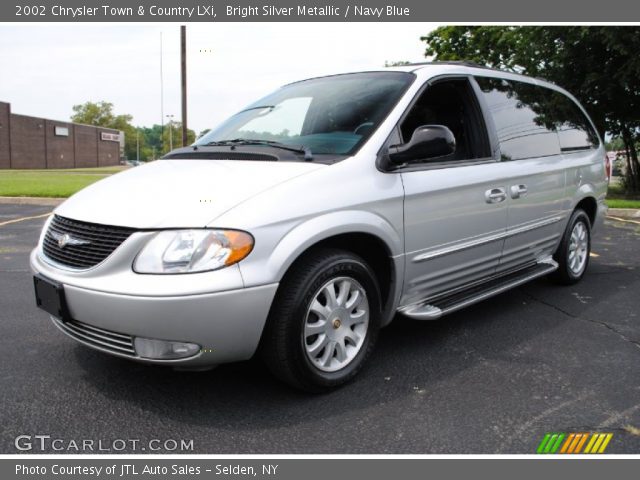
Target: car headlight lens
<point x="190" y="251"/>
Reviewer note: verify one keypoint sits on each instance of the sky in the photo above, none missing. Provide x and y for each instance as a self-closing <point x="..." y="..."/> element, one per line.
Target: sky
<point x="48" y="69"/>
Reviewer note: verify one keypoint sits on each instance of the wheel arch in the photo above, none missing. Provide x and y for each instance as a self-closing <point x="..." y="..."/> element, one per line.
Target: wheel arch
<point x="590" y="206"/>
<point x="361" y="233"/>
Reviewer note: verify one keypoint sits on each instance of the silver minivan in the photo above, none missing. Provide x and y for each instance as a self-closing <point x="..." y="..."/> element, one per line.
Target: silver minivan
<point x="306" y="222"/>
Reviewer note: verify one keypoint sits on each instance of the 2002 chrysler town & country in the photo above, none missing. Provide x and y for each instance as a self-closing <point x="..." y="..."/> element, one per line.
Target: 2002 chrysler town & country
<point x="304" y="223"/>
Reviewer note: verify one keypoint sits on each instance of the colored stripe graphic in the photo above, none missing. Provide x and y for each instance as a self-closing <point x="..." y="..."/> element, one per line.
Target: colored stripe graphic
<point x="567" y="442"/>
<point x="573" y="443"/>
<point x="591" y="443"/>
<point x="555" y="447"/>
<point x="603" y="447"/>
<point x="543" y="443"/>
<point x="581" y="443"/>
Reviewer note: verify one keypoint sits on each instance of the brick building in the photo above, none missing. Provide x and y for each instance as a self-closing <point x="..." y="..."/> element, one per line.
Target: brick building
<point x="31" y="142"/>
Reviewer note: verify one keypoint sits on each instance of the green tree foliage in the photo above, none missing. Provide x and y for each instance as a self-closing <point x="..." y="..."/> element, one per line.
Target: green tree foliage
<point x="101" y="114"/>
<point x="175" y="129"/>
<point x="599" y="65"/>
<point x="150" y="139"/>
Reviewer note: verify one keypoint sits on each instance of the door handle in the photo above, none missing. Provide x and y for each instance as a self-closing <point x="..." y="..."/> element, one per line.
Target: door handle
<point x="495" y="195"/>
<point x="518" y="191"/>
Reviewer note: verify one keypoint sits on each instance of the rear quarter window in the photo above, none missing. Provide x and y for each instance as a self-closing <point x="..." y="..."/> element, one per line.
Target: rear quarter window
<point x="534" y="121"/>
<point x="574" y="129"/>
<point x="519" y="112"/>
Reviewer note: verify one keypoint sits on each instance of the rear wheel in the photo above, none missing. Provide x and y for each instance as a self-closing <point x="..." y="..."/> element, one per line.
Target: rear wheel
<point x="574" y="250"/>
<point x="324" y="321"/>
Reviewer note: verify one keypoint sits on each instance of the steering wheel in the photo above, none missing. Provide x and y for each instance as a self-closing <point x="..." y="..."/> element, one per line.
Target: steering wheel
<point x="362" y="125"/>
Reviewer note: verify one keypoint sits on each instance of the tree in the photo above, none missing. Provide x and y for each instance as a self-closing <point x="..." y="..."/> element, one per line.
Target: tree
<point x="90" y="113"/>
<point x="101" y="114"/>
<point x="153" y="141"/>
<point x="599" y="65"/>
<point x="175" y="129"/>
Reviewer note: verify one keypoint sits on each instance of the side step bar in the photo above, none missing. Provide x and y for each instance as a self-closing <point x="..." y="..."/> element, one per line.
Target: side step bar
<point x="447" y="304"/>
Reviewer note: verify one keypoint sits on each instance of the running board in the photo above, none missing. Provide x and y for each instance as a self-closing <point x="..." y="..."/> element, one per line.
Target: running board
<point x="447" y="304"/>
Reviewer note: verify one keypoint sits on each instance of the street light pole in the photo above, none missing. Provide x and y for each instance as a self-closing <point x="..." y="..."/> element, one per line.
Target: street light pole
<point x="170" y="117"/>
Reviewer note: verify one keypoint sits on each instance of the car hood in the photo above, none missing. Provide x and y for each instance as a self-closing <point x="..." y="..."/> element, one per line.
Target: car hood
<point x="177" y="193"/>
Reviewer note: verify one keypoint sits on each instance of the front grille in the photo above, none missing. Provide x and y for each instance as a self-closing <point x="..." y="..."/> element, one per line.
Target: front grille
<point x="98" y="337"/>
<point x="101" y="241"/>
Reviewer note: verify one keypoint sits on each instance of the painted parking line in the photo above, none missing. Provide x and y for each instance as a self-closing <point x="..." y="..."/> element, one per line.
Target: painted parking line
<point x="22" y="219"/>
<point x="623" y="220"/>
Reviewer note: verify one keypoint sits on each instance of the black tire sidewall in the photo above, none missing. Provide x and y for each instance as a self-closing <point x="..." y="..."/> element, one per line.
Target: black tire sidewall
<point x="337" y="265"/>
<point x="565" y="273"/>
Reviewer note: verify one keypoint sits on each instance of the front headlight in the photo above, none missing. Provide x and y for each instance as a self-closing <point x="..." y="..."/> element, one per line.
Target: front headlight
<point x="190" y="251"/>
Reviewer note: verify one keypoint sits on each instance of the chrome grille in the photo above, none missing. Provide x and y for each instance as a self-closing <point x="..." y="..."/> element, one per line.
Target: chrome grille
<point x="97" y="337"/>
<point x="95" y="242"/>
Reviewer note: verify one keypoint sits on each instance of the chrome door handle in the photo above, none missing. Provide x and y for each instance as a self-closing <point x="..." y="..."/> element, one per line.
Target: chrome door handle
<point x="518" y="191"/>
<point x="495" y="195"/>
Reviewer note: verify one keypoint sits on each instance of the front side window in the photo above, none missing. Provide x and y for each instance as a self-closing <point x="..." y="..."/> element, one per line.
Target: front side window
<point x="450" y="103"/>
<point x="330" y="115"/>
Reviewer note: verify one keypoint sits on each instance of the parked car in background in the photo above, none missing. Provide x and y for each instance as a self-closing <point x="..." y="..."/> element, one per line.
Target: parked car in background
<point x="306" y="222"/>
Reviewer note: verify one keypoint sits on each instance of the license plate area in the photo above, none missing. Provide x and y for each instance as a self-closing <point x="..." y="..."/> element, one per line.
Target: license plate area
<point x="50" y="297"/>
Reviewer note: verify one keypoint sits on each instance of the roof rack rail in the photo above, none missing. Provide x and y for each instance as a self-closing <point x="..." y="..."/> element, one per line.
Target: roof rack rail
<point x="468" y="63"/>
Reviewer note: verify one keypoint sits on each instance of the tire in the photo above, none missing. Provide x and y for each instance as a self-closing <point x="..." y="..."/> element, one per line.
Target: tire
<point x="572" y="269"/>
<point x="290" y="346"/>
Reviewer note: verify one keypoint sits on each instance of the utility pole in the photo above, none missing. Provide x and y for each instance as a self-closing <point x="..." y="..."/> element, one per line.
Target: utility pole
<point x="137" y="145"/>
<point x="183" y="69"/>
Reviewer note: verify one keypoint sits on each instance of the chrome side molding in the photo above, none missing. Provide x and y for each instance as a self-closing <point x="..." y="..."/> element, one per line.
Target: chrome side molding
<point x="487" y="239"/>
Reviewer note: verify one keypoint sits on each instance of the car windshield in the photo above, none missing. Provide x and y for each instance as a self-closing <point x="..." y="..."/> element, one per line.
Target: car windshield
<point x="329" y="115"/>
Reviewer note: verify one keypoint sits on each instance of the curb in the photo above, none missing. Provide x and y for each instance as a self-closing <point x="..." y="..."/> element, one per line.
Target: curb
<point x="631" y="213"/>
<point x="48" y="201"/>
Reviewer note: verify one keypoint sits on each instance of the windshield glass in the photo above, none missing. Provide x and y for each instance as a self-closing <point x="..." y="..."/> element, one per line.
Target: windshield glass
<point x="329" y="115"/>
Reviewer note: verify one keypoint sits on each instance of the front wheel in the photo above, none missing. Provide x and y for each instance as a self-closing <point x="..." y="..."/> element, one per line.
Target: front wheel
<point x="324" y="321"/>
<point x="574" y="250"/>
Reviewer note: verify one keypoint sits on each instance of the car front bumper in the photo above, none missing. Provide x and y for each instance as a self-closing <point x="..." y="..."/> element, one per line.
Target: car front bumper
<point x="227" y="325"/>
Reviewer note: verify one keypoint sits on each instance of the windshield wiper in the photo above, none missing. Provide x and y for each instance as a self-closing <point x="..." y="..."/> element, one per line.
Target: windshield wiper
<point x="270" y="143"/>
<point x="259" y="107"/>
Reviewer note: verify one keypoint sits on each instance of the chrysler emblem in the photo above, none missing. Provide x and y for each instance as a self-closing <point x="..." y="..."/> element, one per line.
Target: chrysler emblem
<point x="65" y="239"/>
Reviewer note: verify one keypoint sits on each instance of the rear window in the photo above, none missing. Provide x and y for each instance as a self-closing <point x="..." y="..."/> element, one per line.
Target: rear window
<point x="533" y="121"/>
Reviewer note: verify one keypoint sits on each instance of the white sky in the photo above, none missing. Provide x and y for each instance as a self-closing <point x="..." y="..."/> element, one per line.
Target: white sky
<point x="49" y="68"/>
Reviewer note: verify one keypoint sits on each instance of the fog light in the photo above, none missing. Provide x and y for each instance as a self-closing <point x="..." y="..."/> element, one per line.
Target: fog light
<point x="163" y="349"/>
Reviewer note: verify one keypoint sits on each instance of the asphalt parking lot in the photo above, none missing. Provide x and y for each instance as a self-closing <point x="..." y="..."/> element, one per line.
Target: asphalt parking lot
<point x="490" y="379"/>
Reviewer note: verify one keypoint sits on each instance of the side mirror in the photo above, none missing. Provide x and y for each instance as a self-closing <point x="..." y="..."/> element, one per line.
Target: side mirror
<point x="427" y="142"/>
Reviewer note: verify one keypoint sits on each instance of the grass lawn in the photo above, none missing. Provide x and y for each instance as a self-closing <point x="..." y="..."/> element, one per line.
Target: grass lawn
<point x="50" y="183"/>
<point x="622" y="203"/>
<point x="616" y="197"/>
